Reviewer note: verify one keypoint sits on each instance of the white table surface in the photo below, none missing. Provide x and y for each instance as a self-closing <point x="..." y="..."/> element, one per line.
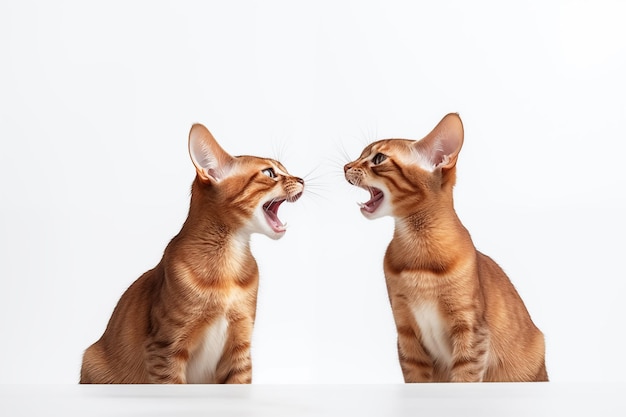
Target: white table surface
<point x="539" y="399"/>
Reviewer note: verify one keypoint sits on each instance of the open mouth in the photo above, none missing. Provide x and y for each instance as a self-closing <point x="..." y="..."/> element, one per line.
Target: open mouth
<point x="375" y="200"/>
<point x="270" y="209"/>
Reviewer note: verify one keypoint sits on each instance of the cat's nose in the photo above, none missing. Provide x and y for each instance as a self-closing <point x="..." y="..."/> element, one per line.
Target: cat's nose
<point x="300" y="180"/>
<point x="346" y="167"/>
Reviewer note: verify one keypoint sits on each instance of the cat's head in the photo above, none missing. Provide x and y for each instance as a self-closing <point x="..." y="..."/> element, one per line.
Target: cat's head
<point x="405" y="175"/>
<point x="248" y="190"/>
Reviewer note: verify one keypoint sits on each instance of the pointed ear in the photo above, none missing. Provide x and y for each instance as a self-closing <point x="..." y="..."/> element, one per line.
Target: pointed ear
<point x="211" y="161"/>
<point x="442" y="146"/>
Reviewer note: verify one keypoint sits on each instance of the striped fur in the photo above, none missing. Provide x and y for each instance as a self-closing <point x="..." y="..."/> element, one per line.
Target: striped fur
<point x="458" y="316"/>
<point x="190" y="319"/>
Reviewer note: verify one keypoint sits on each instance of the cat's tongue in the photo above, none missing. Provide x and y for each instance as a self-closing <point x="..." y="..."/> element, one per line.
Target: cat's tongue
<point x="374" y="202"/>
<point x="271" y="215"/>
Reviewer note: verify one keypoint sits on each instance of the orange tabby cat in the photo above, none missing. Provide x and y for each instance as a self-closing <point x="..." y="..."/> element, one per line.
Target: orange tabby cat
<point x="190" y="319"/>
<point x="458" y="316"/>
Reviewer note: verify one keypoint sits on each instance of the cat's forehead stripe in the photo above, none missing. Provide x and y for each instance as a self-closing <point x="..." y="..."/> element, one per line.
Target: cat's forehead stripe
<point x="264" y="163"/>
<point x="373" y="148"/>
<point x="278" y="167"/>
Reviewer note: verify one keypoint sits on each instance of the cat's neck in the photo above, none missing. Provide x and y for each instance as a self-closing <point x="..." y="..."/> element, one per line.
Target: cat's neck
<point x="211" y="224"/>
<point x="433" y="239"/>
<point x="427" y="231"/>
<point x="212" y="234"/>
<point x="211" y="246"/>
<point x="432" y="219"/>
<point x="211" y="258"/>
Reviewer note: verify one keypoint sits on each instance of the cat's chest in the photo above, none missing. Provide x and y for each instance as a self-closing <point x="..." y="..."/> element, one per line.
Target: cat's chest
<point x="209" y="349"/>
<point x="434" y="332"/>
<point x="203" y="360"/>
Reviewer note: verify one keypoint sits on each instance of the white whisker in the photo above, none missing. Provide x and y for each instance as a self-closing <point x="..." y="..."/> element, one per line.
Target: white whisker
<point x="279" y="149"/>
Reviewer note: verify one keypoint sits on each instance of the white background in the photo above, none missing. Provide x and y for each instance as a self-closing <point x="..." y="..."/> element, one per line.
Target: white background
<point x="97" y="98"/>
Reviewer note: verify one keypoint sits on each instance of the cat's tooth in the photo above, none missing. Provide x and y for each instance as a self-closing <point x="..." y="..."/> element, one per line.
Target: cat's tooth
<point x="360" y="204"/>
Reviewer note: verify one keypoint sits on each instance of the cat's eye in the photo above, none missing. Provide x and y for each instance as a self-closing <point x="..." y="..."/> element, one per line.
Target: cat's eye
<point x="269" y="172"/>
<point x="378" y="158"/>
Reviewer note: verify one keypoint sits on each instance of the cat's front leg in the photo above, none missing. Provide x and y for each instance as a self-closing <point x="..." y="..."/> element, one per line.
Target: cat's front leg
<point x="470" y="350"/>
<point x="163" y="364"/>
<point x="240" y="370"/>
<point x="415" y="363"/>
<point x="235" y="366"/>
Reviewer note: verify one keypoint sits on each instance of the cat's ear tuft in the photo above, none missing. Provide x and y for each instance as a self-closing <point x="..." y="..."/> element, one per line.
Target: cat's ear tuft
<point x="211" y="161"/>
<point x="442" y="146"/>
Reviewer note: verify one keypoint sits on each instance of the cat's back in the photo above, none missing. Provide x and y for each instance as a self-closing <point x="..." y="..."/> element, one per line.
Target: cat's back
<point x="500" y="294"/>
<point x="130" y="318"/>
<point x="119" y="345"/>
<point x="514" y="336"/>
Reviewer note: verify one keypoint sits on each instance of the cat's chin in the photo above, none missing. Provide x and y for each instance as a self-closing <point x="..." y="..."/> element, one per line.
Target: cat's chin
<point x="265" y="226"/>
<point x="275" y="235"/>
<point x="375" y="215"/>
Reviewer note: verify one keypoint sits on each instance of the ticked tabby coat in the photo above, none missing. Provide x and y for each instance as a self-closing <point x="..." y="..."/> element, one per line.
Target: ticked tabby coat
<point x="190" y="319"/>
<point x="457" y="314"/>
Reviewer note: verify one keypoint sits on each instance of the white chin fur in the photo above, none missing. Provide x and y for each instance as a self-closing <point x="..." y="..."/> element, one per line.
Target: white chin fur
<point x="382" y="211"/>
